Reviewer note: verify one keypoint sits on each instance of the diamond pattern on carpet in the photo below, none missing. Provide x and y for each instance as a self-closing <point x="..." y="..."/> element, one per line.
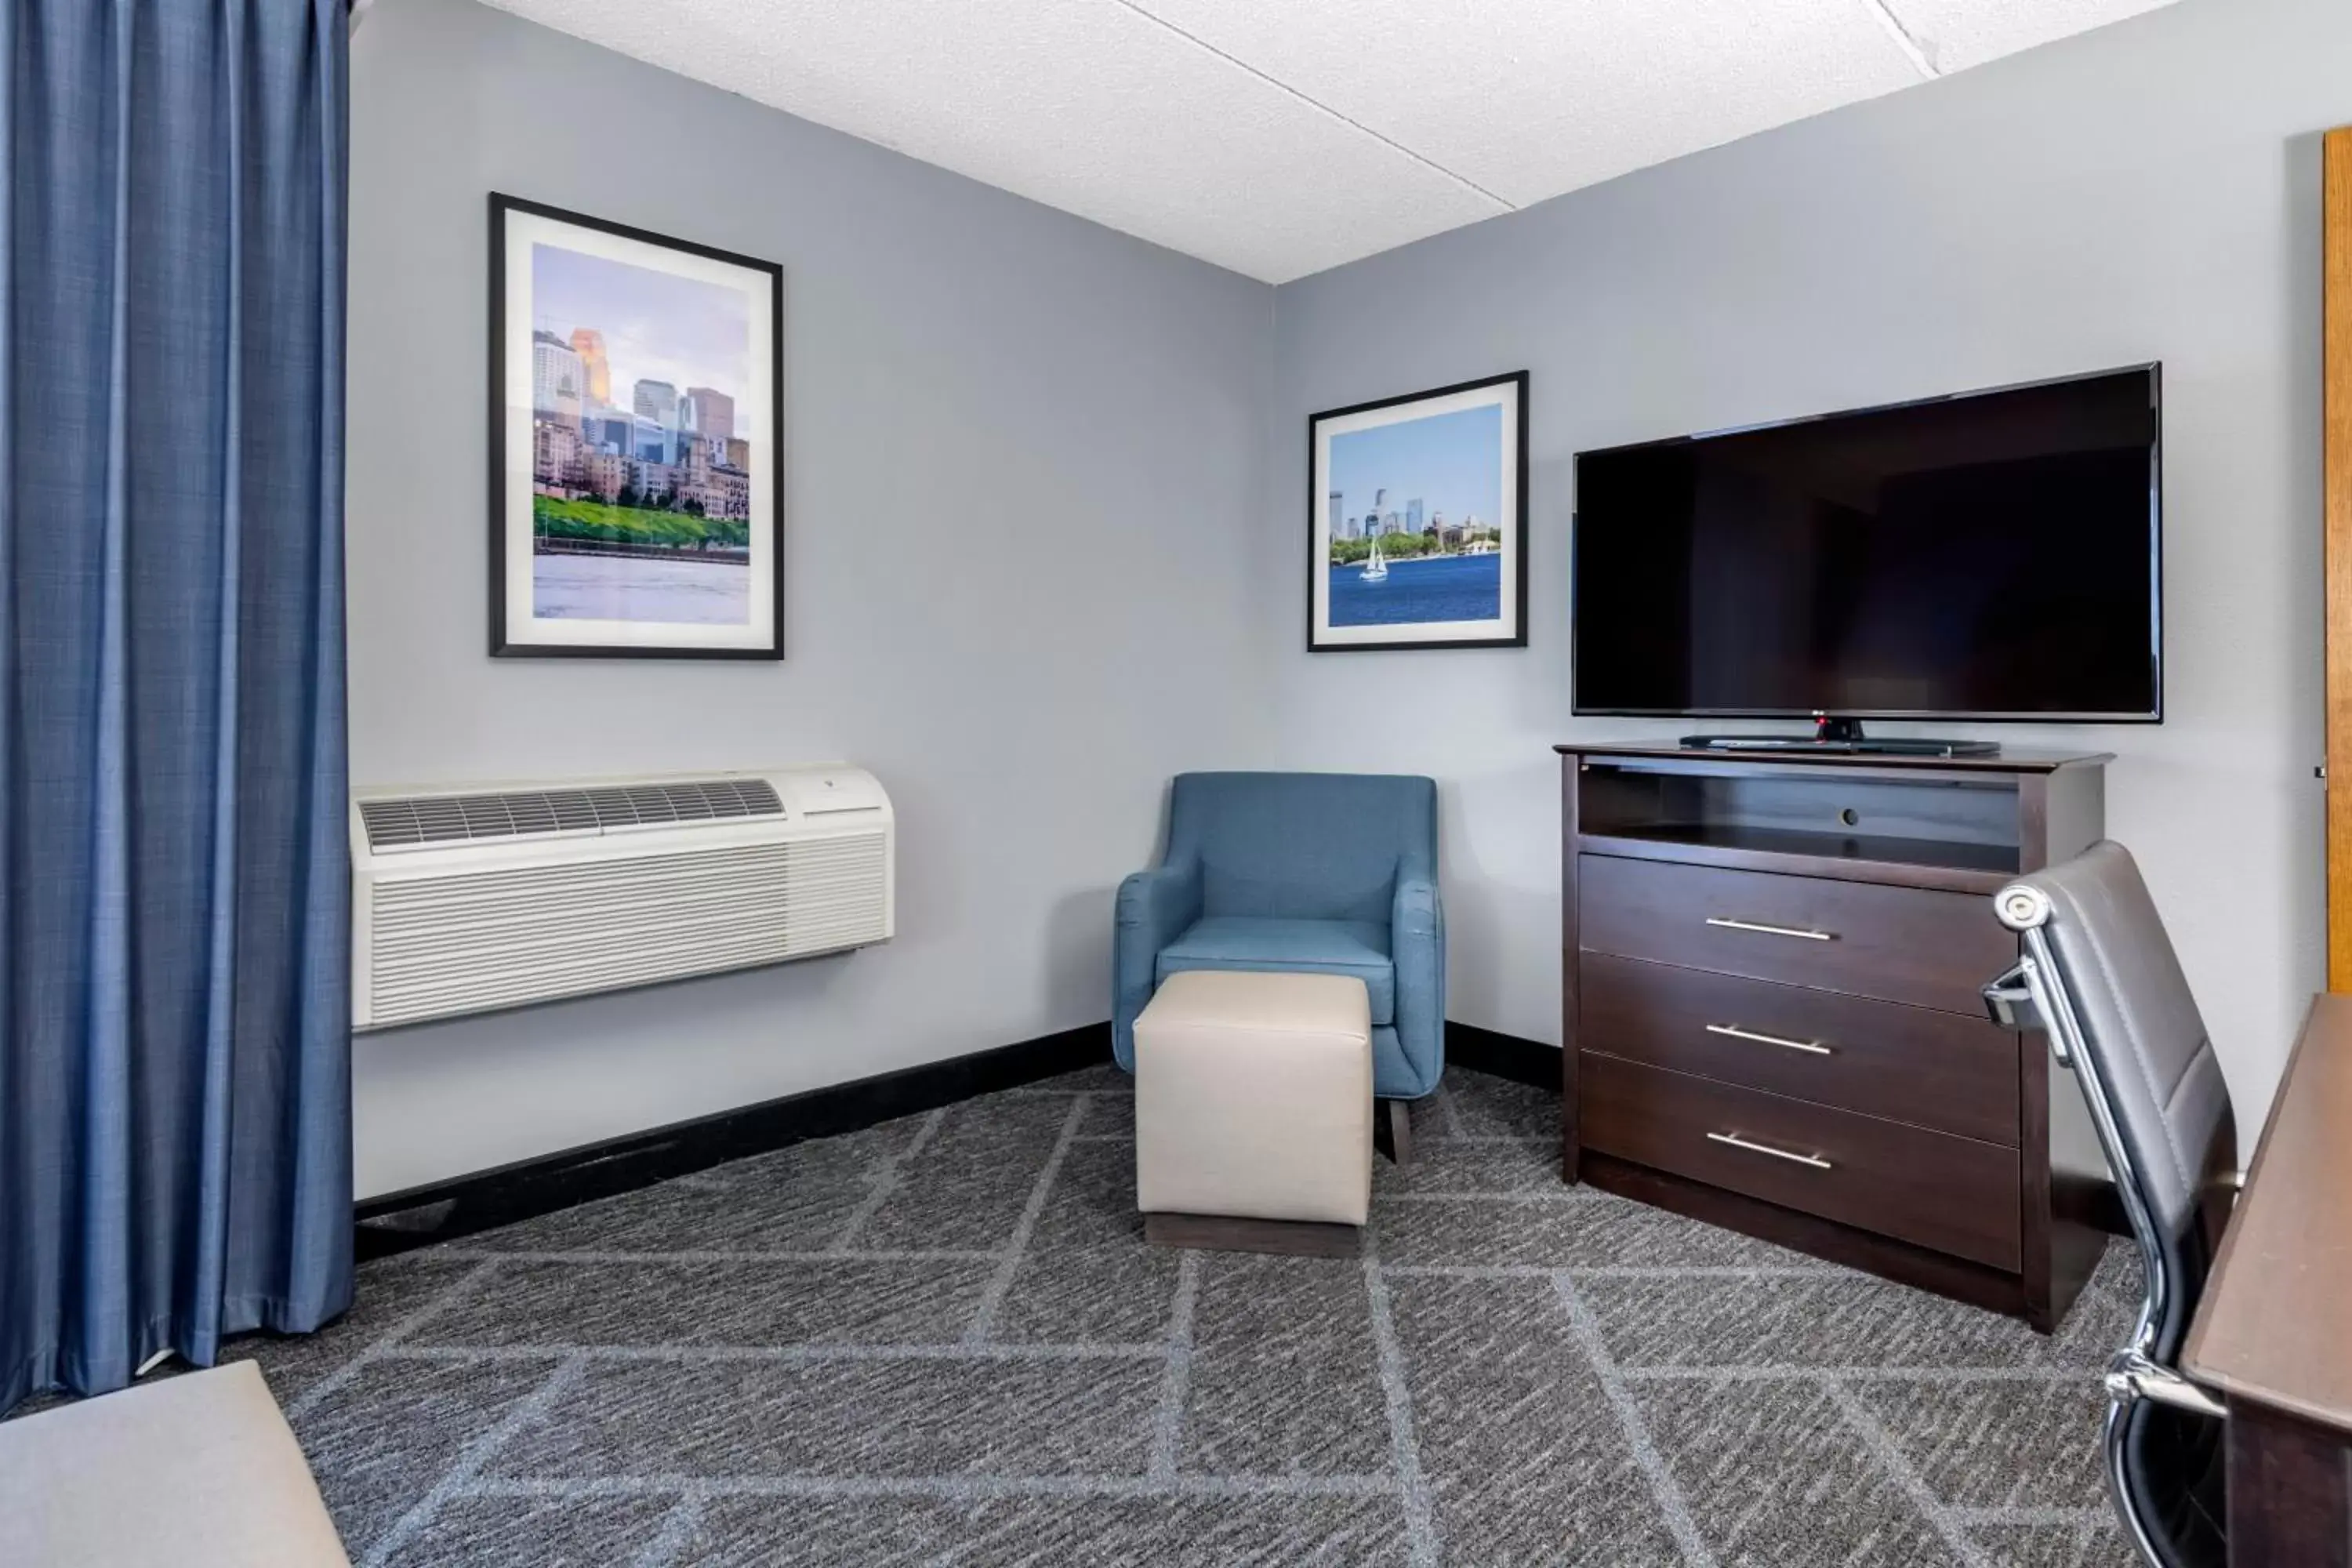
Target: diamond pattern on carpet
<point x="544" y="1532"/>
<point x="942" y="1341"/>
<point x="884" y="1418"/>
<point x="1306" y="1531"/>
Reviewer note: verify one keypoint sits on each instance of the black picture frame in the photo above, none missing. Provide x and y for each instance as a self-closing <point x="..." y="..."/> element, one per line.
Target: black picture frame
<point x="1513" y="525"/>
<point x="503" y="642"/>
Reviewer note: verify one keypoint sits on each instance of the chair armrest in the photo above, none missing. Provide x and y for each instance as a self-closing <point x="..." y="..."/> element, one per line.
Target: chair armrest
<point x="2009" y="999"/>
<point x="1157" y="904"/>
<point x="2132" y="1375"/>
<point x="1154" y="907"/>
<point x="1417" y="951"/>
<point x="1416" y="911"/>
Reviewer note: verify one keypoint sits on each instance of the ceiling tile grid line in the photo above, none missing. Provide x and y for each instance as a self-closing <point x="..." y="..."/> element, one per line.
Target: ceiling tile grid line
<point x="1918" y="54"/>
<point x="1500" y="203"/>
<point x="1533" y="98"/>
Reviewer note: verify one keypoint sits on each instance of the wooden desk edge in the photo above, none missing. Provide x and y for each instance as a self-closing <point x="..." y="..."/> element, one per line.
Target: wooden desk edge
<point x="2233" y="1346"/>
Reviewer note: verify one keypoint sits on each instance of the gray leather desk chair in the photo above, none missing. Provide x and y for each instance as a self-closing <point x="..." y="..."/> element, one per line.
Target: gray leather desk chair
<point x="2100" y="976"/>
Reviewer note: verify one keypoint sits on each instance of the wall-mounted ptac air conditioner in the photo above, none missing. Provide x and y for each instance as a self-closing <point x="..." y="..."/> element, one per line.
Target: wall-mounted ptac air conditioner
<point x="495" y="896"/>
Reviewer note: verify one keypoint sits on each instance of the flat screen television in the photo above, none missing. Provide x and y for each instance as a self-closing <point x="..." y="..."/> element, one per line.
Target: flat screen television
<point x="1993" y="555"/>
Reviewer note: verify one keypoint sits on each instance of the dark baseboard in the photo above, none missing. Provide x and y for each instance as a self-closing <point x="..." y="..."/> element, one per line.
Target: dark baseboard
<point x="1504" y="1056"/>
<point x="464" y="1205"/>
<point x="400" y="1222"/>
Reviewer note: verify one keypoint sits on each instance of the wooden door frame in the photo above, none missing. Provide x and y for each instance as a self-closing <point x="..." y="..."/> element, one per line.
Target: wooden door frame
<point x="2336" y="162"/>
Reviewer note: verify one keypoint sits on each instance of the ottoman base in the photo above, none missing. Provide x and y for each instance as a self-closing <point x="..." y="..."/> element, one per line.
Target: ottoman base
<point x="1254" y="1097"/>
<point x="1229" y="1233"/>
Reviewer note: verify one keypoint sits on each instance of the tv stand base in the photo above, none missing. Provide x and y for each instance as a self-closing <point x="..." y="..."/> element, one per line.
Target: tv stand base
<point x="1843" y="736"/>
<point x="1882" y="748"/>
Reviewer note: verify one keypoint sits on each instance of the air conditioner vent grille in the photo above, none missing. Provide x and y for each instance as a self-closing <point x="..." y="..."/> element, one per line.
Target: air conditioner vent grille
<point x="453" y="943"/>
<point x="416" y="821"/>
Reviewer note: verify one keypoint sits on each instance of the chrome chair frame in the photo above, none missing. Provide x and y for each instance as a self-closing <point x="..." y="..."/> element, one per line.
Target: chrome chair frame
<point x="2029" y="993"/>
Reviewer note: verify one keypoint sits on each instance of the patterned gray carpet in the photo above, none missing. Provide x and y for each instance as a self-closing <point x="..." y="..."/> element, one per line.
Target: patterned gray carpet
<point x="944" y="1340"/>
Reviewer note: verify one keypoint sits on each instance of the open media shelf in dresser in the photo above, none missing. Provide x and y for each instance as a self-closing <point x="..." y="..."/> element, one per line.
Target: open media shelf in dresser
<point x="1771" y="1019"/>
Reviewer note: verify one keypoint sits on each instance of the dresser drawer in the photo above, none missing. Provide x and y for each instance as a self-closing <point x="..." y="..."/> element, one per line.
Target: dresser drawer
<point x="1931" y="1069"/>
<point x="1953" y="1194"/>
<point x="1899" y="945"/>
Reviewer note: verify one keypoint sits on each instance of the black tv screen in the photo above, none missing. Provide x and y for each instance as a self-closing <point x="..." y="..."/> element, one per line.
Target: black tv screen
<point x="1992" y="555"/>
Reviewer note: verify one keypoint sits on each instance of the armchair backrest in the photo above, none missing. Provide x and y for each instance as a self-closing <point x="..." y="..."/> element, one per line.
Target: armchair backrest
<point x="1303" y="846"/>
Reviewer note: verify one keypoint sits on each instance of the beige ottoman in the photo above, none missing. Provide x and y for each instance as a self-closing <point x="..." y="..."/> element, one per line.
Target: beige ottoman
<point x="197" y="1471"/>
<point x="1254" y="1112"/>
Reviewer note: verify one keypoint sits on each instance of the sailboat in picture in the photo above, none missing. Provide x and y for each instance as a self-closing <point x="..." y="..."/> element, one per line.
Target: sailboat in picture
<point x="1376" y="568"/>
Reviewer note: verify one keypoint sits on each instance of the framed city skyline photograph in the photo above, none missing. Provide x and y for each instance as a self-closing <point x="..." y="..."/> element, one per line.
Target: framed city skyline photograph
<point x="636" y="442"/>
<point x="1417" y="520"/>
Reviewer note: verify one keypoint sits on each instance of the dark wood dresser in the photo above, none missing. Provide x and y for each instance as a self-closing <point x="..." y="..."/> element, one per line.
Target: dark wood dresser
<point x="1771" y="1019"/>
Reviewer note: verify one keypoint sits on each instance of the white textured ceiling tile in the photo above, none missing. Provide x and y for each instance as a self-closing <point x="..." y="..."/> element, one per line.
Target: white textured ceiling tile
<point x="1958" y="34"/>
<point x="1084" y="105"/>
<point x="1532" y="98"/>
<point x="1281" y="137"/>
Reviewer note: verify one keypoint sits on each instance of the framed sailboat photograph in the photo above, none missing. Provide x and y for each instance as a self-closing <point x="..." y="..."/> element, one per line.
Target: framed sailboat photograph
<point x="1417" y="520"/>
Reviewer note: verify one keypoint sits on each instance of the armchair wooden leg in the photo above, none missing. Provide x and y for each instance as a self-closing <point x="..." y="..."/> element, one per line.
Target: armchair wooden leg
<point x="1393" y="1129"/>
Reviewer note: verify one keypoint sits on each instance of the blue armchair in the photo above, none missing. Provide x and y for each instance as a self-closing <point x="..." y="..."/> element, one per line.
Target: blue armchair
<point x="1333" y="873"/>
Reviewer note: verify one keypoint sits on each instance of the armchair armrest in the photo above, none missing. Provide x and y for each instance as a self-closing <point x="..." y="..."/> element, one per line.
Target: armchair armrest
<point x="1416" y="911"/>
<point x="1417" y="951"/>
<point x="1160" y="902"/>
<point x="1153" y="910"/>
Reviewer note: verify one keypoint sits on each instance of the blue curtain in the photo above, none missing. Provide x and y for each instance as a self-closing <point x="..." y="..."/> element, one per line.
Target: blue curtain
<point x="175" y="1070"/>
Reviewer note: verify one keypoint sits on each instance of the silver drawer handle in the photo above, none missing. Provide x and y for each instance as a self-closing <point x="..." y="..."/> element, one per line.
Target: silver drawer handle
<point x="1815" y="1161"/>
<point x="1762" y="930"/>
<point x="1811" y="1048"/>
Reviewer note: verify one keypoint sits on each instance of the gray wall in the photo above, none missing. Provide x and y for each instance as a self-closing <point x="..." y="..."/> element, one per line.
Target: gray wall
<point x="1021" y="471"/>
<point x="2149" y="191"/>
<point x="1042" y="498"/>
